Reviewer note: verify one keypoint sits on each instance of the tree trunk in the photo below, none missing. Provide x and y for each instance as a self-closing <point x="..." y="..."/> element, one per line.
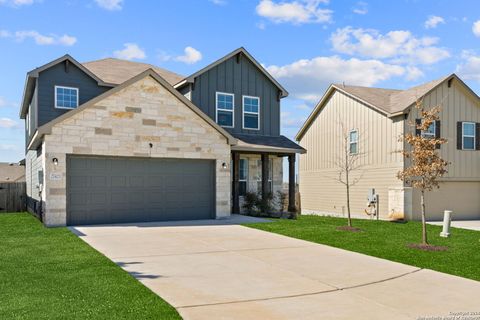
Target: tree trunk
<point x="348" y="195"/>
<point x="424" y="220"/>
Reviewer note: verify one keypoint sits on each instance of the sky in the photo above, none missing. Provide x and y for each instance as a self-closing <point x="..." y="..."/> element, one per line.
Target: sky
<point x="304" y="44"/>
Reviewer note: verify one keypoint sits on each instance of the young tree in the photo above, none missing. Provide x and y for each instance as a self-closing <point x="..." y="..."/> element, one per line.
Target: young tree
<point x="347" y="163"/>
<point x="425" y="164"/>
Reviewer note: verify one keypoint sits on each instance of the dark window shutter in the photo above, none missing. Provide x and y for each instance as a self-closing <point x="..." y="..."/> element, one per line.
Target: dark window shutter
<point x="477" y="136"/>
<point x="437" y="132"/>
<point x="459" y="135"/>
<point x="417" y="123"/>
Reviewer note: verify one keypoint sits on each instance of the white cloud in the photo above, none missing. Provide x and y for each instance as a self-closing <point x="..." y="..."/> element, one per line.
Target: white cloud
<point x="413" y="73"/>
<point x="261" y="25"/>
<point x="7" y="123"/>
<point x="67" y="40"/>
<point x="469" y="69"/>
<point x="8" y="147"/>
<point x="129" y="52"/>
<point x="5" y="103"/>
<point x="296" y="12"/>
<point x="361" y="8"/>
<point x="40" y="39"/>
<point x="303" y="106"/>
<point x="288" y="120"/>
<point x="5" y="34"/>
<point x="400" y="45"/>
<point x="218" y="2"/>
<point x="110" y="5"/>
<point x="17" y="3"/>
<point x="307" y="78"/>
<point x="190" y="56"/>
<point x="476" y="28"/>
<point x="433" y="21"/>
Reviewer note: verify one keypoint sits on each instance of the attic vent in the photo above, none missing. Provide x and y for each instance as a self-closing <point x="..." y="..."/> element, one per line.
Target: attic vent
<point x="67" y="66"/>
<point x="450" y="82"/>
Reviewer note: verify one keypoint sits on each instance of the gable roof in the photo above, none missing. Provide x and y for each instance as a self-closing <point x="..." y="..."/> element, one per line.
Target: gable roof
<point x="390" y="102"/>
<point x="47" y="128"/>
<point x="117" y="71"/>
<point x="33" y="75"/>
<point x="241" y="51"/>
<point x="11" y="172"/>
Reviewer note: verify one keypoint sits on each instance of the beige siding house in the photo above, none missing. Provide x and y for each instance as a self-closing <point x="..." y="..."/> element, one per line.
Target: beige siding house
<point x="374" y="119"/>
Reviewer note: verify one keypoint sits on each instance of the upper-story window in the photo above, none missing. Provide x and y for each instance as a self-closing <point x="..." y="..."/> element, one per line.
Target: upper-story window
<point x="225" y="107"/>
<point x="66" y="97"/>
<point x="251" y="113"/>
<point x="430" y="132"/>
<point x="468" y="136"/>
<point x="353" y="141"/>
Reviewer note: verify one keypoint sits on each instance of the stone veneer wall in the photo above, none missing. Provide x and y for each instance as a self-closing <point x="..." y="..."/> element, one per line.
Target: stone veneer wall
<point x="123" y="124"/>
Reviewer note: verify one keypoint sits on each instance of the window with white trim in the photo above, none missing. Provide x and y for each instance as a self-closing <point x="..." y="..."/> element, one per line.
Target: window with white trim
<point x="430" y="132"/>
<point x="353" y="141"/>
<point x="243" y="176"/>
<point x="251" y="113"/>
<point x="66" y="97"/>
<point x="468" y="136"/>
<point x="259" y="174"/>
<point x="225" y="109"/>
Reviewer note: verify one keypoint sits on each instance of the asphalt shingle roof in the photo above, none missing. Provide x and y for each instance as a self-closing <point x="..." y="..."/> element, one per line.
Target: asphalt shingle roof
<point x="117" y="71"/>
<point x="391" y="100"/>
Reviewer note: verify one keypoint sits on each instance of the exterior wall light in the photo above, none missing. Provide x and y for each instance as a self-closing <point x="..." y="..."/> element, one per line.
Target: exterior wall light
<point x="224" y="165"/>
<point x="55" y="161"/>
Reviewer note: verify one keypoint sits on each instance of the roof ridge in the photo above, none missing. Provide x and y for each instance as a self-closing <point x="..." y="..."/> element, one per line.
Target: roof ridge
<point x="340" y="85"/>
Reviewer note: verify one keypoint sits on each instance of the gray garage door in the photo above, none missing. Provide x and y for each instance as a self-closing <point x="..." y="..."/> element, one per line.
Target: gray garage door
<point x="119" y="190"/>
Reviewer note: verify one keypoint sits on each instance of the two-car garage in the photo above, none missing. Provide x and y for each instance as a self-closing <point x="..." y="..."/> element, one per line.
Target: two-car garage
<point x="122" y="189"/>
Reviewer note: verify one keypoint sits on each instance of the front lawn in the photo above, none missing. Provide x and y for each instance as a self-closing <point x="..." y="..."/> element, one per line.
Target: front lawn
<point x="52" y="274"/>
<point x="389" y="240"/>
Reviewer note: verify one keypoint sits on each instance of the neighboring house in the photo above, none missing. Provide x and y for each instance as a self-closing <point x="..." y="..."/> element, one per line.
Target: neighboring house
<point x="374" y="119"/>
<point x="113" y="141"/>
<point x="12" y="172"/>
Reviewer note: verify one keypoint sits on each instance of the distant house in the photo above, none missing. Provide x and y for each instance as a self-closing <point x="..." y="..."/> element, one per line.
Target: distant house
<point x="112" y="141"/>
<point x="374" y="119"/>
<point x="12" y="172"/>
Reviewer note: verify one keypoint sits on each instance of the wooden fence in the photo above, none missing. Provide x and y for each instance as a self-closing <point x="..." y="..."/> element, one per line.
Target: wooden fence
<point x="13" y="197"/>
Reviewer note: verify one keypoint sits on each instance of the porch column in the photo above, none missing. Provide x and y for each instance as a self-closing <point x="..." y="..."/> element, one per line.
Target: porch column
<point x="235" y="183"/>
<point x="291" y="183"/>
<point x="265" y="169"/>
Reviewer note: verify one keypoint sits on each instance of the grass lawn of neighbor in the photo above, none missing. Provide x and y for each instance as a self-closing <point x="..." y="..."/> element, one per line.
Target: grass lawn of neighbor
<point x="389" y="240"/>
<point x="49" y="273"/>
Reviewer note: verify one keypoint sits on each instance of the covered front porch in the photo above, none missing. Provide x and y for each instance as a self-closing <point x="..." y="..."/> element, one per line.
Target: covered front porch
<point x="257" y="166"/>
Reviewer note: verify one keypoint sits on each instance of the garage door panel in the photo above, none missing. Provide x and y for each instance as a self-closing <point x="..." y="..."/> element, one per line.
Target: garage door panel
<point x="98" y="181"/>
<point x="116" y="190"/>
<point x="136" y="181"/>
<point x="98" y="198"/>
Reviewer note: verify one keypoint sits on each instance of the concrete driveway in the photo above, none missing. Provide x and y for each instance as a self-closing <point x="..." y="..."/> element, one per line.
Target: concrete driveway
<point x="462" y="224"/>
<point x="219" y="270"/>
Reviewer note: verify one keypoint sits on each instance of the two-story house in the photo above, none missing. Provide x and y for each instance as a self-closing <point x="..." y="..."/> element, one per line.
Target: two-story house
<point x="373" y="120"/>
<point x="113" y="141"/>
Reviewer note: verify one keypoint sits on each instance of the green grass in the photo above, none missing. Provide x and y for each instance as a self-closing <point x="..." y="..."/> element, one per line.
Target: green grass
<point x="389" y="240"/>
<point x="49" y="273"/>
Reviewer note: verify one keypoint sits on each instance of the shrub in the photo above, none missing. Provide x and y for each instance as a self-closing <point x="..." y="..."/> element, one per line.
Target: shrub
<point x="282" y="200"/>
<point x="250" y="202"/>
<point x="265" y="205"/>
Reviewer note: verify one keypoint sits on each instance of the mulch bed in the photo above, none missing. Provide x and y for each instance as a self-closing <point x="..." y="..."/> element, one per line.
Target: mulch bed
<point x="426" y="247"/>
<point x="347" y="228"/>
